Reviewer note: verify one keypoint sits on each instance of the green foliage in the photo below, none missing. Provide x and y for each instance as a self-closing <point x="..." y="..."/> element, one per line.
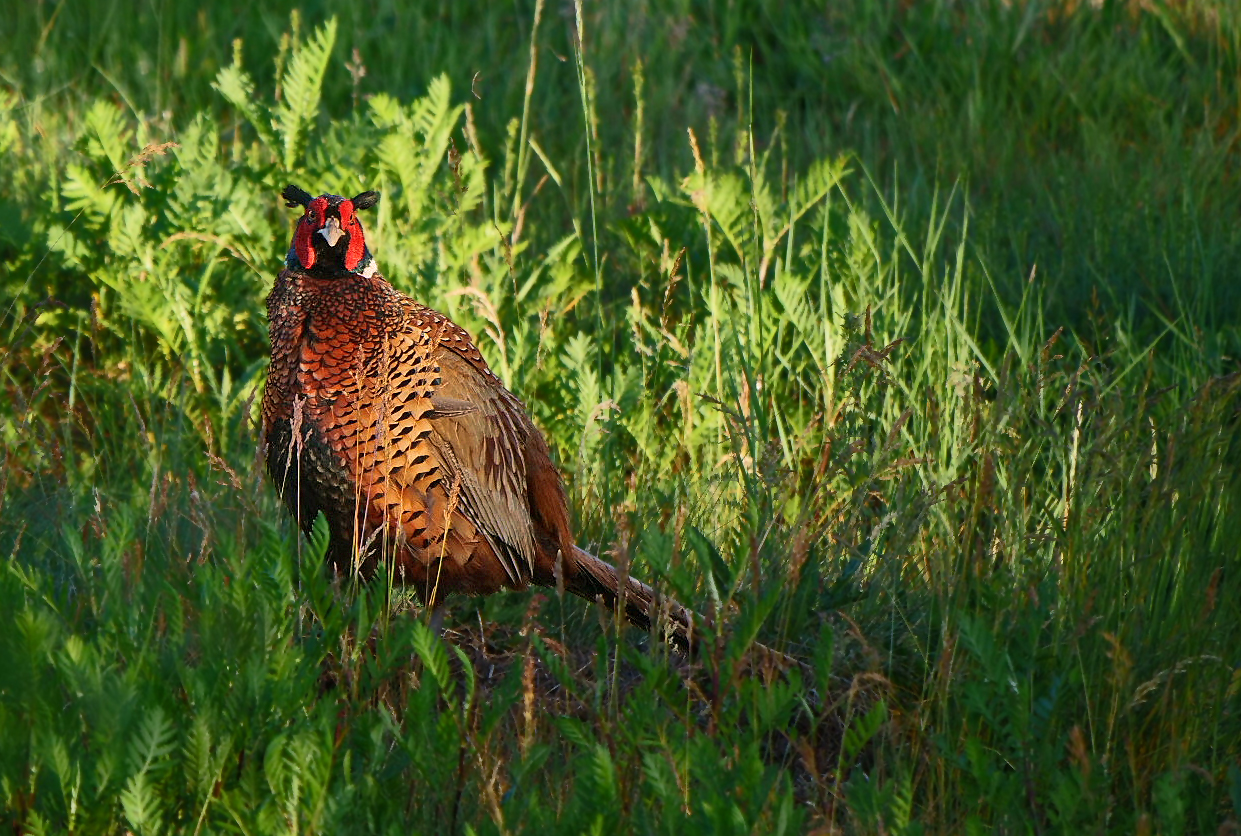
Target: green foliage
<point x="968" y="452"/>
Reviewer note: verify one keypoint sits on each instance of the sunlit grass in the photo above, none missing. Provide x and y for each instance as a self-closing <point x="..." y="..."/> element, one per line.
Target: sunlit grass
<point x="932" y="386"/>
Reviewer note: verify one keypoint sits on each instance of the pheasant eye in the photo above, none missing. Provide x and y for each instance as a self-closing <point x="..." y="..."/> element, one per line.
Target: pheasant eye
<point x="346" y="213"/>
<point x="316" y="210"/>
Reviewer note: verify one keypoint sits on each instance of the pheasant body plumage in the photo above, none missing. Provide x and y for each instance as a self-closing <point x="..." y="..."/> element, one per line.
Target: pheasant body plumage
<point x="381" y="413"/>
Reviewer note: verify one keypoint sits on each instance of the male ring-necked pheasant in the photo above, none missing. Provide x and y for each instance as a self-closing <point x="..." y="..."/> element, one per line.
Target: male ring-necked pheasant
<point x="382" y="414"/>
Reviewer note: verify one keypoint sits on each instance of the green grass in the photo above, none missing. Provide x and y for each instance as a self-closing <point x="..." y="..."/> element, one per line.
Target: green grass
<point x="901" y="337"/>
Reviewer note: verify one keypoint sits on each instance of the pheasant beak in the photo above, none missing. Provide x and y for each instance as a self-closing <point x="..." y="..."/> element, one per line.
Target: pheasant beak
<point x="332" y="232"/>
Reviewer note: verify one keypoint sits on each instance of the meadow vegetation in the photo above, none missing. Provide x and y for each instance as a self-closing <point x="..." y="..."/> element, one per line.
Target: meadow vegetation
<point x="902" y="337"/>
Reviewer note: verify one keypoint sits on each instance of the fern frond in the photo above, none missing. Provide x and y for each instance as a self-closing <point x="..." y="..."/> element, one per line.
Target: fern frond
<point x="385" y="111"/>
<point x="430" y="649"/>
<point x="415" y="150"/>
<point x="154" y="741"/>
<point x="320" y="533"/>
<point x="235" y="85"/>
<point x="303" y="86"/>
<point x="806" y="321"/>
<point x="141" y="805"/>
<point x="603" y="774"/>
<point x="109" y="137"/>
<point x="814" y="185"/>
<point x="83" y="193"/>
<point x="860" y="731"/>
<point x="36" y="825"/>
<point x="726" y="201"/>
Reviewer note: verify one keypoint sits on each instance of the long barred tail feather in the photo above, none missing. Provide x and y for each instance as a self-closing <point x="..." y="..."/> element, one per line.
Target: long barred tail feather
<point x="597" y="579"/>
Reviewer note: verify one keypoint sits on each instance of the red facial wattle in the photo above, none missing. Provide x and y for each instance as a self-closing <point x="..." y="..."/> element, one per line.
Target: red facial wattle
<point x="356" y="246"/>
<point x="310" y="223"/>
<point x="302" y="246"/>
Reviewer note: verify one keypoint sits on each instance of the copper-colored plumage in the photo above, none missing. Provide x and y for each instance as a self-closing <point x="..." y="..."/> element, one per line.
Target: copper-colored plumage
<point x="382" y="414"/>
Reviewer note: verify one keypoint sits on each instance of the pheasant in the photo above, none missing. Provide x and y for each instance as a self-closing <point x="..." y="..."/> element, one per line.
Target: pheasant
<point x="381" y="414"/>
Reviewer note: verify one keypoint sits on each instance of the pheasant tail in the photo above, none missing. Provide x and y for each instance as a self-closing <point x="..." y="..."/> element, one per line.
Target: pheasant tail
<point x="594" y="579"/>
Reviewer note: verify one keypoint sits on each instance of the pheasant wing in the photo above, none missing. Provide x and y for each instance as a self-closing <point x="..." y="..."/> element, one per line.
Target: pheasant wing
<point x="479" y="431"/>
<point x="435" y="445"/>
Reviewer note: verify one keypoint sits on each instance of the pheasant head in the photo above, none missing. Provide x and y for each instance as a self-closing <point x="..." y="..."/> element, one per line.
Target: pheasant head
<point x="329" y="239"/>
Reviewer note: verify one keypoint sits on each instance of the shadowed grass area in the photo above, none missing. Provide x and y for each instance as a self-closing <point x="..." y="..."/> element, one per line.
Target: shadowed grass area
<point x="898" y="337"/>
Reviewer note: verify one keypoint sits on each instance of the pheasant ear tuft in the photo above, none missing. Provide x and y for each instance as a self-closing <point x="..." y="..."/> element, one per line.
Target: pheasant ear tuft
<point x="295" y="196"/>
<point x="366" y="200"/>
